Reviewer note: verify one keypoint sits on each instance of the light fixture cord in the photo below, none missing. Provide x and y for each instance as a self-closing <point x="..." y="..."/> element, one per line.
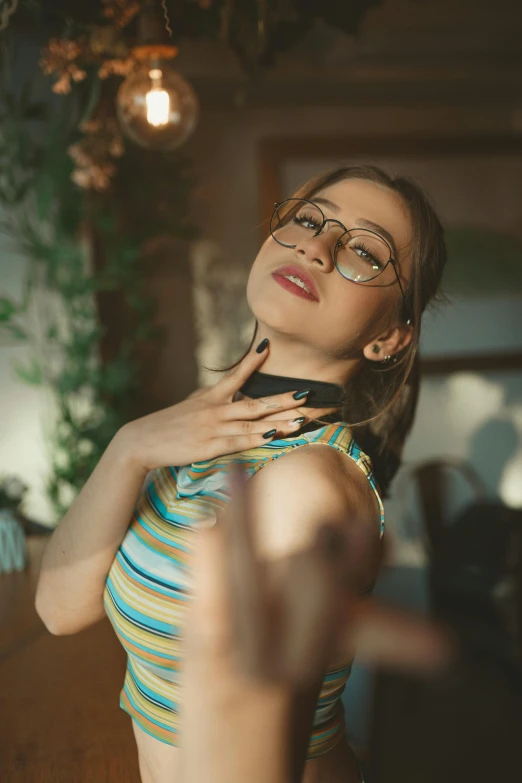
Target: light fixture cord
<point x="167" y="19"/>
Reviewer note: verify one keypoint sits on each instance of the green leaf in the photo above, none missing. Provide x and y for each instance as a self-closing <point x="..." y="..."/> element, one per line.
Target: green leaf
<point x="30" y="373"/>
<point x="7" y="309"/>
<point x="15" y="331"/>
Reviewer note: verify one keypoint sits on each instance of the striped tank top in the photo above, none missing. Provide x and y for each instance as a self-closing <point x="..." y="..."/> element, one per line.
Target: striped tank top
<point x="147" y="587"/>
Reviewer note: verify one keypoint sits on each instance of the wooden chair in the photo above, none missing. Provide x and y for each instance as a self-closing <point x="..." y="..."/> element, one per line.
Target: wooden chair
<point x="433" y="478"/>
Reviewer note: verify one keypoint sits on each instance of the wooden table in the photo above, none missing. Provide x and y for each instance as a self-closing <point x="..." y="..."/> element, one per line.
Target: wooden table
<point x="60" y="720"/>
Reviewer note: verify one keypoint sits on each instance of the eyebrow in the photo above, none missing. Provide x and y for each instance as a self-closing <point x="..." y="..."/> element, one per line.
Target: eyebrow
<point x="361" y="222"/>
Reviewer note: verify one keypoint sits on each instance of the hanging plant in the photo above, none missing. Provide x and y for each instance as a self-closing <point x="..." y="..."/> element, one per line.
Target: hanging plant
<point x="55" y="226"/>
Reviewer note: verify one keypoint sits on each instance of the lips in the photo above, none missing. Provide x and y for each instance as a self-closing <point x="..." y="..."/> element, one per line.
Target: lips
<point x="297" y="271"/>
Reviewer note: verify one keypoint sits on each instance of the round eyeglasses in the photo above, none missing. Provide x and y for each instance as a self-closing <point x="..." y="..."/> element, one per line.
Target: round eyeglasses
<point x="360" y="255"/>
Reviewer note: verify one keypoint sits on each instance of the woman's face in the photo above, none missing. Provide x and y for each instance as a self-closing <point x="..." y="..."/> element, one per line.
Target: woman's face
<point x="343" y="317"/>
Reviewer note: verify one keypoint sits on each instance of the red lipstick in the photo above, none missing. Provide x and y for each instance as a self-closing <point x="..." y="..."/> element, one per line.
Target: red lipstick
<point x="281" y="276"/>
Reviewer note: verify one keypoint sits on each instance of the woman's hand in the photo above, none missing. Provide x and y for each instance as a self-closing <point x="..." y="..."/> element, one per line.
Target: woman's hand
<point x="209" y="424"/>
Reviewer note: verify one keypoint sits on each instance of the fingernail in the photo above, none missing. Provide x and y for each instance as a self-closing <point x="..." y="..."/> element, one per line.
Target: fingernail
<point x="299" y="420"/>
<point x="262" y="345"/>
<point x="299" y="395"/>
<point x="269" y="434"/>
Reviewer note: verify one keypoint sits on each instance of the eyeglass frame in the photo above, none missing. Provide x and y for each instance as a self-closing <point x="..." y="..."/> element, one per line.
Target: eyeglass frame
<point x="326" y="220"/>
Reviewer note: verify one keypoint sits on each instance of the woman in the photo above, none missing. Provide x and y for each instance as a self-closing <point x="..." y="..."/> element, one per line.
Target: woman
<point x="338" y="290"/>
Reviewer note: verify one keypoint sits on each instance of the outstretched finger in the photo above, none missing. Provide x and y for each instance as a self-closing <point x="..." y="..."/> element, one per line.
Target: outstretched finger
<point x="397" y="639"/>
<point x="273" y="406"/>
<point x="312" y="415"/>
<point x="245" y="576"/>
<point x="233" y="437"/>
<point x="210" y="587"/>
<point x="232" y="382"/>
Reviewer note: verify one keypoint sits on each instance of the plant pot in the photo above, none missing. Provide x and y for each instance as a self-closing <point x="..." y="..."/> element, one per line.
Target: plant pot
<point x="12" y="543"/>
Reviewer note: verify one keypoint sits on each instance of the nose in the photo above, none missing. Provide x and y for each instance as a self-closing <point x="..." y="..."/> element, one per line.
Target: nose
<point x="319" y="250"/>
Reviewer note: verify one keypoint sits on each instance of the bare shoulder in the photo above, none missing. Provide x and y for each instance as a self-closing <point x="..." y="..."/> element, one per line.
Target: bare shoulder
<point x="296" y="493"/>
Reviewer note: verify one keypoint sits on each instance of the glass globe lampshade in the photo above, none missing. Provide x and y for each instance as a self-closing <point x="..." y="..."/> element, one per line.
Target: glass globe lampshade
<point x="156" y="107"/>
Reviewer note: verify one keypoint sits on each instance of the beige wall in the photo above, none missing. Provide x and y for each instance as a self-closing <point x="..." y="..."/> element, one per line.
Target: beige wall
<point x="225" y="154"/>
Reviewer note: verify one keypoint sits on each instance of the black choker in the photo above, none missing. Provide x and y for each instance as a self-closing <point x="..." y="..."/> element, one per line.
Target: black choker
<point x="322" y="394"/>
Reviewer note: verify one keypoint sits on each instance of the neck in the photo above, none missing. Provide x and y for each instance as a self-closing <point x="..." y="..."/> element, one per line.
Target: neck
<point x="294" y="360"/>
<point x="294" y="370"/>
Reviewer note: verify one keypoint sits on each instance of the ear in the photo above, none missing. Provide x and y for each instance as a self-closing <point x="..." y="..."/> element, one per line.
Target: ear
<point x="389" y="343"/>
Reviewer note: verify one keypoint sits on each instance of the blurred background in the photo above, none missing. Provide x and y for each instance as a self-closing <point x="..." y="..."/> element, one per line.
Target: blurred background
<point x="142" y="145"/>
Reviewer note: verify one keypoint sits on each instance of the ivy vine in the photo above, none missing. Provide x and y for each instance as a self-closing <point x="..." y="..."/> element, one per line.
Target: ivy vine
<point x="50" y="223"/>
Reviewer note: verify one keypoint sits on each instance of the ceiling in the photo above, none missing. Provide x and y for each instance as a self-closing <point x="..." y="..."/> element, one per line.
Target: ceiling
<point x="409" y="50"/>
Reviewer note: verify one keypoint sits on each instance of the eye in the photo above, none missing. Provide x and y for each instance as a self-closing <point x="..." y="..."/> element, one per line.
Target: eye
<point x="366" y="254"/>
<point x="307" y="221"/>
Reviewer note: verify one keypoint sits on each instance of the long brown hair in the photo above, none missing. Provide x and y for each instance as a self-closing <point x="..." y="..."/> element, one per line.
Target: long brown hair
<point x="380" y="402"/>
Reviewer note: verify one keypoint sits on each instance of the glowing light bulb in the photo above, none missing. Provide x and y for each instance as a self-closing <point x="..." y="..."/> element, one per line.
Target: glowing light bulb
<point x="157" y="100"/>
<point x="156" y="107"/>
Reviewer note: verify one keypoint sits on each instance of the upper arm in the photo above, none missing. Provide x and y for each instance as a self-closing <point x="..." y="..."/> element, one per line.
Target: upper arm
<point x="294" y="495"/>
<point x="71" y="584"/>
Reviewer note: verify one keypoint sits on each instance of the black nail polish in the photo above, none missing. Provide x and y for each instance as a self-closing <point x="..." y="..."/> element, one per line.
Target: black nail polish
<point x="269" y="434"/>
<point x="299" y="395"/>
<point x="299" y="420"/>
<point x="262" y="345"/>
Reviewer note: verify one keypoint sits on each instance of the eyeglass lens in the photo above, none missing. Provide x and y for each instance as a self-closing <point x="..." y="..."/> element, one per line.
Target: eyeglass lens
<point x="359" y="255"/>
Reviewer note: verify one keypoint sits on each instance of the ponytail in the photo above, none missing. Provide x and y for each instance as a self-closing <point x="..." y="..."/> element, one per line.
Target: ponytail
<point x="382" y="438"/>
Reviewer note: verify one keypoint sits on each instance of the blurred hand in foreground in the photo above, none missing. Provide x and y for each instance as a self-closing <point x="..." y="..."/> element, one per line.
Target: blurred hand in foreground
<point x="260" y="631"/>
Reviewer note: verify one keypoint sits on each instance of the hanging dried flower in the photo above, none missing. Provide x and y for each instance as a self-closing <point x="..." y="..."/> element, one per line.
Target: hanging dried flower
<point x="91" y="126"/>
<point x="120" y="11"/>
<point x="94" y="177"/>
<point x="117" y="67"/>
<point x="116" y="148"/>
<point x="58" y="57"/>
<point x="94" y="154"/>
